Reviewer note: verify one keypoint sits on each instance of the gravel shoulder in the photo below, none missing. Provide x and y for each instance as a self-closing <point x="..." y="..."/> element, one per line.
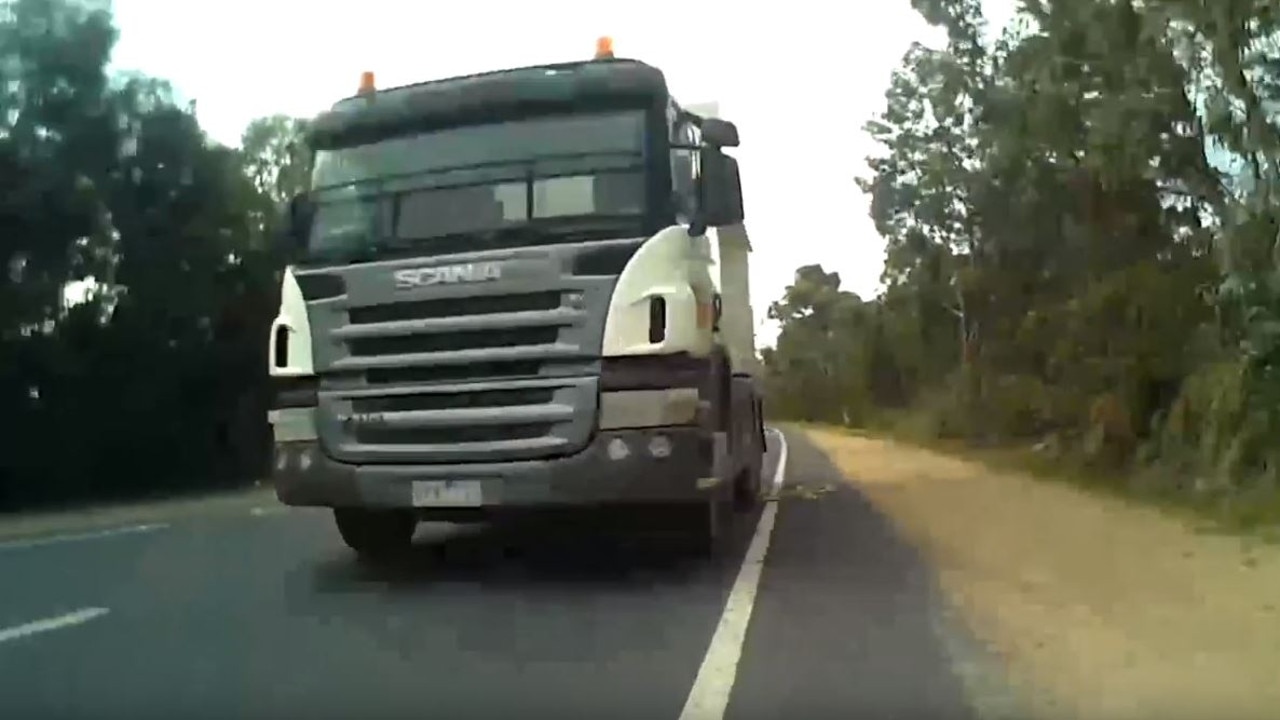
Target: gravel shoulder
<point x="1096" y="608"/>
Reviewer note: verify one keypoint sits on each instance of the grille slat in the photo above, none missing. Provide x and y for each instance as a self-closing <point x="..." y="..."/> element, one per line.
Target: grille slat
<point x="452" y="342"/>
<point x="507" y="370"/>
<point x="454" y="435"/>
<point x="454" y="401"/>
<point x="464" y="323"/>
<point x="538" y="353"/>
<point x="492" y="416"/>
<point x="471" y="307"/>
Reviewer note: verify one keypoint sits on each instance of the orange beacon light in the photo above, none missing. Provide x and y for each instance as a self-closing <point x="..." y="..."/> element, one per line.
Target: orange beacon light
<point x="604" y="48"/>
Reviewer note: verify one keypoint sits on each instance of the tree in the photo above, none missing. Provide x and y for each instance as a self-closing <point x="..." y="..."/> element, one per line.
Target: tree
<point x="157" y="377"/>
<point x="1064" y="258"/>
<point x="278" y="165"/>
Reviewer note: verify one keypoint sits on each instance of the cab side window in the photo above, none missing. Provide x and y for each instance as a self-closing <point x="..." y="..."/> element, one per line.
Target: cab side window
<point x="684" y="164"/>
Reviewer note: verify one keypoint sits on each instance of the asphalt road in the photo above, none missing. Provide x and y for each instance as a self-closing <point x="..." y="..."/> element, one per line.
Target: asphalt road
<point x="268" y="616"/>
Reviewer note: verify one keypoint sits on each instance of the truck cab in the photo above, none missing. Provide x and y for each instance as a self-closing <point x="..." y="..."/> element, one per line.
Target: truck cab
<point x="515" y="291"/>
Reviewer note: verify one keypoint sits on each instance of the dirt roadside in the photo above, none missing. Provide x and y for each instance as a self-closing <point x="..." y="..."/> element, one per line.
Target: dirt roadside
<point x="97" y="518"/>
<point x="1099" y="610"/>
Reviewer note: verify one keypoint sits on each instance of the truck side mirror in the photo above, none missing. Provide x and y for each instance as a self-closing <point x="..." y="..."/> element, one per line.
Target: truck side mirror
<point x="719" y="190"/>
<point x="719" y="133"/>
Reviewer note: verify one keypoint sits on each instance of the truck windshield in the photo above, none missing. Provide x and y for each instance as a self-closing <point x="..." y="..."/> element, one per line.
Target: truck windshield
<point x="478" y="180"/>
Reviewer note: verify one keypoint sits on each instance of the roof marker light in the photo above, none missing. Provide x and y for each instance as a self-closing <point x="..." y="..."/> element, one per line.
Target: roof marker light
<point x="604" y="48"/>
<point x="367" y="85"/>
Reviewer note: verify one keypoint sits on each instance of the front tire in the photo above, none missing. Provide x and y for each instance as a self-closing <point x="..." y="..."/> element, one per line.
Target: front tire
<point x="748" y="492"/>
<point x="749" y="487"/>
<point x="375" y="534"/>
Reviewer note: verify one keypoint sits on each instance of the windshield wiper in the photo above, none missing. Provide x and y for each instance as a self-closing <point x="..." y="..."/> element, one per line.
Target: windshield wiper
<point x="358" y="247"/>
<point x="532" y="233"/>
<point x="580" y="228"/>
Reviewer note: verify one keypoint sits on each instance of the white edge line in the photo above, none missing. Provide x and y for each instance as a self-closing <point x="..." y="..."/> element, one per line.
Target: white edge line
<point x="709" y="697"/>
<point x="55" y="623"/>
<point x="97" y="535"/>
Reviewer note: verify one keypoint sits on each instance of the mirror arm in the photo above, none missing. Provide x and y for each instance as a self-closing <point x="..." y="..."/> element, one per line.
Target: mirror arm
<point x="698" y="225"/>
<point x="293" y="225"/>
<point x="692" y="118"/>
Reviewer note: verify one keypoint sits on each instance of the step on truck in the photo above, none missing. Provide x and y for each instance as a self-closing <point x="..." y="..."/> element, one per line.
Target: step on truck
<point x="516" y="291"/>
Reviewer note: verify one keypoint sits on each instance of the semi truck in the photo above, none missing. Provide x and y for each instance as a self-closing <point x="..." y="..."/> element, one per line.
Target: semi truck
<point x="517" y="291"/>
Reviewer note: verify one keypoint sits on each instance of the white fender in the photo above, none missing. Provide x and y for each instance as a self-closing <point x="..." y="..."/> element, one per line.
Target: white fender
<point x="292" y="317"/>
<point x="677" y="267"/>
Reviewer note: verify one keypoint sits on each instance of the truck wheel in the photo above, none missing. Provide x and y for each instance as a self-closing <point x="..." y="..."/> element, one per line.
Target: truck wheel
<point x="759" y="425"/>
<point x="375" y="534"/>
<point x="748" y="491"/>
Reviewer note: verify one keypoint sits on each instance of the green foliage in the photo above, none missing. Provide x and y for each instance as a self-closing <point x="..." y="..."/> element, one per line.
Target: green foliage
<point x="155" y="380"/>
<point x="1082" y="221"/>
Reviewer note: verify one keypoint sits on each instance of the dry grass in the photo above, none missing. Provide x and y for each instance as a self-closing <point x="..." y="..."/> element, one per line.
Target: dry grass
<point x="1101" y="609"/>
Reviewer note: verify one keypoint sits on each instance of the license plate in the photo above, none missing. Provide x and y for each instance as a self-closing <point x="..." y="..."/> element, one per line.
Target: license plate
<point x="447" y="493"/>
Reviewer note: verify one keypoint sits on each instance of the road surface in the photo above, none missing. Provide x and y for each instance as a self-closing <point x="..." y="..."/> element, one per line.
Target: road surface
<point x="266" y="615"/>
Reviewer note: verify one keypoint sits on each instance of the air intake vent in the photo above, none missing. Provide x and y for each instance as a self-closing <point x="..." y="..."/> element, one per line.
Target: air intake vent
<point x="657" y="319"/>
<point x="282" y="346"/>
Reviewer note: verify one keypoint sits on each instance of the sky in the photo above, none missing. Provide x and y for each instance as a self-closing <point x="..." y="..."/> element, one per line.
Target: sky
<point x="799" y="84"/>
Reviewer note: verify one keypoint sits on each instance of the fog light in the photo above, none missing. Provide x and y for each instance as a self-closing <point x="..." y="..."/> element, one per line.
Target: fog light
<point x="660" y="446"/>
<point x="618" y="449"/>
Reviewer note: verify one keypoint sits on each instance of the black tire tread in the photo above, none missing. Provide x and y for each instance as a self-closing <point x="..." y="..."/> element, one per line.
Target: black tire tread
<point x="375" y="534"/>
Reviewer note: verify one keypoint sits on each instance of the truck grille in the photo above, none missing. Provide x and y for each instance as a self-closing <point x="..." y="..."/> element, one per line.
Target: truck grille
<point x="457" y="380"/>
<point x="494" y="330"/>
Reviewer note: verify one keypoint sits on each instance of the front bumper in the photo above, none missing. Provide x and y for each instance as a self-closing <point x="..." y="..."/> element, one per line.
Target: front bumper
<point x="645" y="465"/>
